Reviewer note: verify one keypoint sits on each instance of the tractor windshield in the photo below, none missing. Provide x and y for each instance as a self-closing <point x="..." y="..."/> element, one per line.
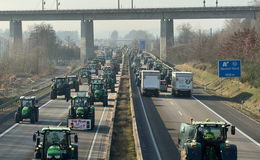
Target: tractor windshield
<point x="26" y="103"/>
<point x="72" y="78"/>
<point x="60" y="81"/>
<point x="98" y="86"/>
<point x="55" y="138"/>
<point x="81" y="102"/>
<point x="213" y="133"/>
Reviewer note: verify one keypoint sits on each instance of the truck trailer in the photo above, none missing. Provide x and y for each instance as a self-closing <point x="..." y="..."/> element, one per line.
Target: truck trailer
<point x="150" y="82"/>
<point x="182" y="83"/>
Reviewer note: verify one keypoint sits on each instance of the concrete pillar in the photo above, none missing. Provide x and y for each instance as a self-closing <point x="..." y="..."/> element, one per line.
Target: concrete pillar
<point x="167" y="38"/>
<point x="16" y="36"/>
<point x="87" y="40"/>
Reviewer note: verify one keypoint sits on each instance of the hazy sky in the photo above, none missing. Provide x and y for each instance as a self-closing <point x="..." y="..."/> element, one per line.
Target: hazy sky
<point x="123" y="26"/>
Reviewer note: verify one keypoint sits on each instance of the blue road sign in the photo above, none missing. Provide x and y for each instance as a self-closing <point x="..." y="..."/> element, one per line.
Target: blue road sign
<point x="229" y="68"/>
<point x="142" y="45"/>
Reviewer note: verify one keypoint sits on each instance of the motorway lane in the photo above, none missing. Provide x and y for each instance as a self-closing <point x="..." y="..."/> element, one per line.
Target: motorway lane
<point x="18" y="141"/>
<point x="166" y="147"/>
<point x="174" y="111"/>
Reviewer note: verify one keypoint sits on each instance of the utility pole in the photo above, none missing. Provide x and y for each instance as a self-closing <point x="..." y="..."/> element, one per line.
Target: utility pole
<point x="43" y="3"/>
<point x="132" y="3"/>
<point x="57" y="4"/>
<point x="118" y="3"/>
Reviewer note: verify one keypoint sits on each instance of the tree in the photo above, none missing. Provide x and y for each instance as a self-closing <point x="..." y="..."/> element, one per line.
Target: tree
<point x="186" y="35"/>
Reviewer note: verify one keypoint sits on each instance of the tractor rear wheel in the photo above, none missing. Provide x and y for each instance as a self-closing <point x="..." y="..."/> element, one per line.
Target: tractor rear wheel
<point x="53" y="95"/>
<point x="17" y="117"/>
<point x="32" y="118"/>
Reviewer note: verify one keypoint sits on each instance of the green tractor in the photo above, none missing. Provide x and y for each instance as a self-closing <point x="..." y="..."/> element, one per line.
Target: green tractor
<point x="27" y="110"/>
<point x="81" y="113"/>
<point x="60" y="87"/>
<point x="158" y="66"/>
<point x="98" y="92"/>
<point x="55" y="143"/>
<point x="109" y="81"/>
<point x="206" y="141"/>
<point x="84" y="75"/>
<point x="73" y="82"/>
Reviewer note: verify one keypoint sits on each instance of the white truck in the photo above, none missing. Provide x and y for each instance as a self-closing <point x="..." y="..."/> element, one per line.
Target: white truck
<point x="150" y="82"/>
<point x="182" y="83"/>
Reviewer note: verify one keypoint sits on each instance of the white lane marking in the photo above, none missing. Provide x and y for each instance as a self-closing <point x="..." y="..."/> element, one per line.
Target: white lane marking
<point x="45" y="104"/>
<point x="248" y="137"/>
<point x="180" y="113"/>
<point x="59" y="124"/>
<point x="16" y="124"/>
<point x="9" y="129"/>
<point x="149" y="127"/>
<point x="95" y="137"/>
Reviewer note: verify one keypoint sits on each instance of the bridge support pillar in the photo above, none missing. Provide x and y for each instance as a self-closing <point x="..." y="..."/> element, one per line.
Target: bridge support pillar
<point x="167" y="38"/>
<point x="15" y="37"/>
<point x="87" y="40"/>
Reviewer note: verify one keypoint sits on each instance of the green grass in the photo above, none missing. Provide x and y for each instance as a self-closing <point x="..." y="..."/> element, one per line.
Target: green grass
<point x="231" y="91"/>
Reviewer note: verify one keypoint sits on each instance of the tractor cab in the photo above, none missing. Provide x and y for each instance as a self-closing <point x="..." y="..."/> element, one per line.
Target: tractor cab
<point x="55" y="143"/>
<point x="60" y="87"/>
<point x="207" y="140"/>
<point x="73" y="82"/>
<point x="27" y="109"/>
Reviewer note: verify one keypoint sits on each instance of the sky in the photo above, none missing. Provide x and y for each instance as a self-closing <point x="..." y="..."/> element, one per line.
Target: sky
<point x="153" y="26"/>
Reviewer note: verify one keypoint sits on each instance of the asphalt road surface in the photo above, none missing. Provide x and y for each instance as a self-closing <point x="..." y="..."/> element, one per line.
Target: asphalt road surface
<point x="166" y="113"/>
<point x="16" y="141"/>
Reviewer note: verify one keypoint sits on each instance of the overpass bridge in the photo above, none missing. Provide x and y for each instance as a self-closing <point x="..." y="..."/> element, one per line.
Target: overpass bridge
<point x="166" y="15"/>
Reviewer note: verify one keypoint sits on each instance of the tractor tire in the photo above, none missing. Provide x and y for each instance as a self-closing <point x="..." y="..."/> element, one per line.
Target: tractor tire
<point x="53" y="95"/>
<point x="105" y="102"/>
<point x="113" y="89"/>
<point x="37" y="115"/>
<point x="17" y="117"/>
<point x="32" y="118"/>
<point x="77" y="88"/>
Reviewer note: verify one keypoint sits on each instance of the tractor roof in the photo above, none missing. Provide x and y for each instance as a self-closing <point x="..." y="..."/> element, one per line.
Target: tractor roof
<point x="72" y="76"/>
<point x="27" y="97"/>
<point x="56" y="129"/>
<point x="208" y="123"/>
<point x="81" y="94"/>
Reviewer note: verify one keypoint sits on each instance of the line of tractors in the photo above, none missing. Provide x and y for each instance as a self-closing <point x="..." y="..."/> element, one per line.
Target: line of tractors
<point x="99" y="76"/>
<point x="197" y="140"/>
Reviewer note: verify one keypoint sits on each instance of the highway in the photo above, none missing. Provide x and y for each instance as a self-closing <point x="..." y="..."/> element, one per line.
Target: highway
<point x="16" y="141"/>
<point x="165" y="114"/>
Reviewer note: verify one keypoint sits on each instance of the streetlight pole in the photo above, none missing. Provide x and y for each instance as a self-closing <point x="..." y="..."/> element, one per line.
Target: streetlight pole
<point x="204" y="3"/>
<point x="216" y="3"/>
<point x="57" y="4"/>
<point x="43" y="3"/>
<point x="132" y="3"/>
<point x="118" y="3"/>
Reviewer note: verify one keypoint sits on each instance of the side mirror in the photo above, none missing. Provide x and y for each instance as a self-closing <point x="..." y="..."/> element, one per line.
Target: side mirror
<point x="34" y="137"/>
<point x="76" y="138"/>
<point x="233" y="130"/>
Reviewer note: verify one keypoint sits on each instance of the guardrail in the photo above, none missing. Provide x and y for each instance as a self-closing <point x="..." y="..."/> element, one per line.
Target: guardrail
<point x="138" y="150"/>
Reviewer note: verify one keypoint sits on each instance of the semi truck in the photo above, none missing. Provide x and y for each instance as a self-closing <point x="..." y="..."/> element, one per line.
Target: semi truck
<point x="182" y="83"/>
<point x="150" y="82"/>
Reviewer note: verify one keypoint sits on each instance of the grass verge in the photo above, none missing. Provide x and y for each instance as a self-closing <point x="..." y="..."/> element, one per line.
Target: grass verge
<point x="241" y="96"/>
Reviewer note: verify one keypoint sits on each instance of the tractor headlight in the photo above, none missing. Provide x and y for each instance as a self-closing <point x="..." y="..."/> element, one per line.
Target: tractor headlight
<point x="57" y="156"/>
